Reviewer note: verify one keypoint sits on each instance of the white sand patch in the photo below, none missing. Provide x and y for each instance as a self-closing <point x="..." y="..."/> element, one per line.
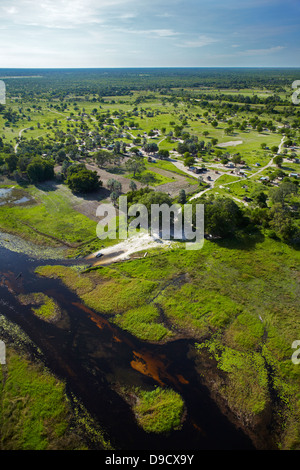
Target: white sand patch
<point x="125" y="248"/>
<point x="232" y="143"/>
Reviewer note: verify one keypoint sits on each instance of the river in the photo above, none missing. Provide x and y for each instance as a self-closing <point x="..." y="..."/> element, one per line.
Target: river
<point x="94" y="357"/>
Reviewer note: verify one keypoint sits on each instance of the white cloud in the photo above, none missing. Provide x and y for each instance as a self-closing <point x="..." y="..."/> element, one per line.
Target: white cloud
<point x="251" y="52"/>
<point x="59" y="13"/>
<point x="161" y="33"/>
<point x="201" y="41"/>
<point x="128" y="16"/>
<point x="270" y="50"/>
<point x="10" y="10"/>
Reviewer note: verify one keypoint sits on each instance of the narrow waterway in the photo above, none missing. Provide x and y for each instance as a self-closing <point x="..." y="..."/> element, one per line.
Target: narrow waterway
<point x="94" y="357"/>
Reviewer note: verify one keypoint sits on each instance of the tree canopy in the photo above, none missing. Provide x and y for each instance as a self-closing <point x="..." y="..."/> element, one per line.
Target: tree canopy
<point x="82" y="180"/>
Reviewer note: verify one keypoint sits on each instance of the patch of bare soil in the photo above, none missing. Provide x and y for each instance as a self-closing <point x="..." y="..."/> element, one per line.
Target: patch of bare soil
<point x="105" y="176"/>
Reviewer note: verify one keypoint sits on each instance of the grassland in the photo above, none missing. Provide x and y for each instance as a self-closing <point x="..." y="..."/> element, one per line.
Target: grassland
<point x="159" y="411"/>
<point x="35" y="413"/>
<point x="49" y="218"/>
<point x="42" y="305"/>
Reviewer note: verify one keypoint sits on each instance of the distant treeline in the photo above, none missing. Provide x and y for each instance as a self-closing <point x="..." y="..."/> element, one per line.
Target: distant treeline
<point x="239" y="98"/>
<point x="62" y="83"/>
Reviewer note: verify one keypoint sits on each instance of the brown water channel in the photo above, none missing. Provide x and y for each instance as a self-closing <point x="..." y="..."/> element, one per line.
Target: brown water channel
<point x="94" y="357"/>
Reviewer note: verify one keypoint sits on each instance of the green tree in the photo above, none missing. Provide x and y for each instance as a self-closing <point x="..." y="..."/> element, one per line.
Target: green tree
<point x="278" y="160"/>
<point x="40" y="170"/>
<point x="83" y="180"/>
<point x="151" y="147"/>
<point x="136" y="165"/>
<point x="283" y="193"/>
<point x="281" y="222"/>
<point x="182" y="197"/>
<point x="236" y="159"/>
<point x="132" y="186"/>
<point x="148" y="178"/>
<point x="163" y="154"/>
<point x="222" y="217"/>
<point x="260" y="198"/>
<point x="103" y="157"/>
<point x="11" y="161"/>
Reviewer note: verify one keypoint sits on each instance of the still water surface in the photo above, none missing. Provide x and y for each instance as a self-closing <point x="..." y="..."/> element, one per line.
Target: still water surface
<point x="94" y="357"/>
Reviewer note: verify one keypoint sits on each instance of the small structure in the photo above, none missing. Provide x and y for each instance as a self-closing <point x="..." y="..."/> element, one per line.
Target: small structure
<point x="195" y="170"/>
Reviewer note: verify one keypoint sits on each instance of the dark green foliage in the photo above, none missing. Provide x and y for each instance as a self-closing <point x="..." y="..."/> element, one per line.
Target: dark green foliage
<point x="222" y="217"/>
<point x="283" y="192"/>
<point x="11" y="161"/>
<point x="151" y="147"/>
<point x="136" y="165"/>
<point x="182" y="197"/>
<point x="40" y="170"/>
<point x="82" y="180"/>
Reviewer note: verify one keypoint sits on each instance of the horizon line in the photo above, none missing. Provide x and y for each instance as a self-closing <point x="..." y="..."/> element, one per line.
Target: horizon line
<point x="157" y="67"/>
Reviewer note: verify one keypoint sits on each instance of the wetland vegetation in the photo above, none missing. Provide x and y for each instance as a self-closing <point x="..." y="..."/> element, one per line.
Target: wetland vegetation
<point x="228" y="139"/>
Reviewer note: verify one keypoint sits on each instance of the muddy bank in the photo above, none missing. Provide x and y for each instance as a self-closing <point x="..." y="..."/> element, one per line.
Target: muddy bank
<point x="16" y="244"/>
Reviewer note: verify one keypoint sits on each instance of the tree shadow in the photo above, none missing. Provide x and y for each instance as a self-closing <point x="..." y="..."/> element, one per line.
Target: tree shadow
<point x="52" y="185"/>
<point x="100" y="195"/>
<point x="286" y="168"/>
<point x="48" y="186"/>
<point x="116" y="171"/>
<point x="245" y="240"/>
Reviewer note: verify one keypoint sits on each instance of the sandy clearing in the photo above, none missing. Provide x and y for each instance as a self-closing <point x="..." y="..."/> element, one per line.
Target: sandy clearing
<point x="232" y="143"/>
<point x="124" y="249"/>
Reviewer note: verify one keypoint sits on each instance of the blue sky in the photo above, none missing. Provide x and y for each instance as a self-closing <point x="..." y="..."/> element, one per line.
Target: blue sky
<point x="149" y="33"/>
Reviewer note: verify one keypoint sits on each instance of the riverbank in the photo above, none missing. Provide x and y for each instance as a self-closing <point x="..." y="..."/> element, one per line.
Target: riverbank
<point x="93" y="356"/>
<point x="218" y="298"/>
<point x="224" y="298"/>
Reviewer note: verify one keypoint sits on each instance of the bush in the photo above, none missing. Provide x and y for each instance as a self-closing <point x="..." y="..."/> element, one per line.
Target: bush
<point x="40" y="170"/>
<point x="82" y="180"/>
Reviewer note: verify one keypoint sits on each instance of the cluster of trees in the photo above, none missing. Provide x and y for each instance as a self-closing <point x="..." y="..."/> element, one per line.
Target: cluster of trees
<point x="247" y="99"/>
<point x="191" y="144"/>
<point x="275" y="212"/>
<point x="81" y="180"/>
<point x="28" y="164"/>
<point x="278" y="211"/>
<point x="40" y="170"/>
<point x="94" y="84"/>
